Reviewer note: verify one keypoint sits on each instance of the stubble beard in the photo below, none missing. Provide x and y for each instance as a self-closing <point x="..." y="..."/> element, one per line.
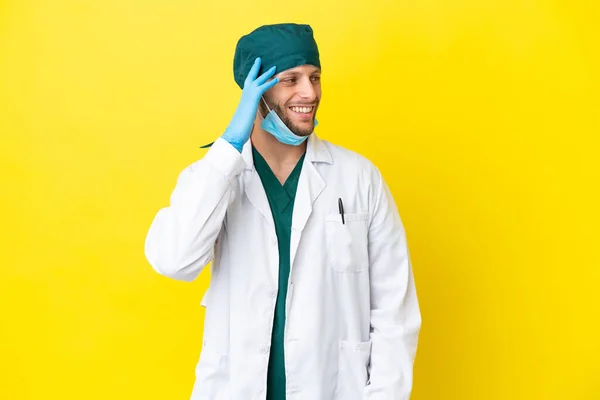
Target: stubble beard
<point x="294" y="128"/>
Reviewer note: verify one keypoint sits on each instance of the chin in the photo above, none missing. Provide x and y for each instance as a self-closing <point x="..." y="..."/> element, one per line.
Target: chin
<point x="300" y="128"/>
<point x="304" y="129"/>
<point x="303" y="132"/>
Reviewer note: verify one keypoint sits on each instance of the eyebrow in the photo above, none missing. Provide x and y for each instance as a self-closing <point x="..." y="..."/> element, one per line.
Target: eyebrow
<point x="295" y="73"/>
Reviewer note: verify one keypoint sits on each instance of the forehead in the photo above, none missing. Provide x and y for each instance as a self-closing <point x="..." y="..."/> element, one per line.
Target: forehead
<point x="300" y="70"/>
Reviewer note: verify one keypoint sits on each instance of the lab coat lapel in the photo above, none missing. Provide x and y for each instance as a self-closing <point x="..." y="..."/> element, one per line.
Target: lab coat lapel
<point x="310" y="186"/>
<point x="254" y="188"/>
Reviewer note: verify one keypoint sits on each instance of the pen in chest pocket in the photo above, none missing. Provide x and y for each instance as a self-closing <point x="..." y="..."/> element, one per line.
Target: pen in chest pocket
<point x="341" y="208"/>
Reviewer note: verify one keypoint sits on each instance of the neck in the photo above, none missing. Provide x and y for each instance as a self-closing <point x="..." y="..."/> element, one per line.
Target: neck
<point x="279" y="156"/>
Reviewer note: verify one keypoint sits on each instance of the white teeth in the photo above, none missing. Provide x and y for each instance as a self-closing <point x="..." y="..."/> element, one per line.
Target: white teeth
<point x="302" y="109"/>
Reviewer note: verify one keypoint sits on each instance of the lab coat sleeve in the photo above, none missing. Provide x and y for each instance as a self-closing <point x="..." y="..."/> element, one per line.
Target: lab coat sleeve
<point x="181" y="238"/>
<point x="395" y="314"/>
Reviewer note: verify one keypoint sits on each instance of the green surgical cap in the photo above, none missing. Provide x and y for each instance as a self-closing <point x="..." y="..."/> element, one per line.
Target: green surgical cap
<point x="283" y="45"/>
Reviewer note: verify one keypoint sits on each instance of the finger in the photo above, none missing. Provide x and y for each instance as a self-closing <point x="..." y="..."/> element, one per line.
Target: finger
<point x="264" y="77"/>
<point x="253" y="72"/>
<point x="269" y="85"/>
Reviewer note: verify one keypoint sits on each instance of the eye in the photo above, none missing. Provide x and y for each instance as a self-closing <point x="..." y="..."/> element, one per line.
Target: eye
<point x="289" y="80"/>
<point x="316" y="78"/>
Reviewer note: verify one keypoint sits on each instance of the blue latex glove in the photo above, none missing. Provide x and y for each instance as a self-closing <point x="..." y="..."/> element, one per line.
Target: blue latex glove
<point x="239" y="129"/>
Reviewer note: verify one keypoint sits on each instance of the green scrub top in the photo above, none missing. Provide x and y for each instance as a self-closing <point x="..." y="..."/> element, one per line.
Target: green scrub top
<point x="281" y="199"/>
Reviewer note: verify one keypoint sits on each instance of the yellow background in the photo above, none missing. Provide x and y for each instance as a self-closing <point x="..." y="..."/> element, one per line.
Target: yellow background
<point x="483" y="116"/>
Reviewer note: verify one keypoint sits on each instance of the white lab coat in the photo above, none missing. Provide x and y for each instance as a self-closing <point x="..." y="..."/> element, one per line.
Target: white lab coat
<point x="352" y="315"/>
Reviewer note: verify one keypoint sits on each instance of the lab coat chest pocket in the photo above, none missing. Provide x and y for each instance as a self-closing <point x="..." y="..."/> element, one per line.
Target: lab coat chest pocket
<point x="347" y="242"/>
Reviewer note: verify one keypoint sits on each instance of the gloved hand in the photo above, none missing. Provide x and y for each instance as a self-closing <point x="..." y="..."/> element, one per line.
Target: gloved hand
<point x="239" y="129"/>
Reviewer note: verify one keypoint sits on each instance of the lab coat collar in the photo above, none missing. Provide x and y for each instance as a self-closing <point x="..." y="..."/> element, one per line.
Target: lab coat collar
<point x="316" y="151"/>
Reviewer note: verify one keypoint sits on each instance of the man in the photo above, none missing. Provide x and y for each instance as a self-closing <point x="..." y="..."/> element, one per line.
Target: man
<point x="312" y="294"/>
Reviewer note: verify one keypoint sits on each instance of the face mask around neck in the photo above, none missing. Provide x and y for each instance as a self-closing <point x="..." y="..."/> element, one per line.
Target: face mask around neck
<point x="276" y="127"/>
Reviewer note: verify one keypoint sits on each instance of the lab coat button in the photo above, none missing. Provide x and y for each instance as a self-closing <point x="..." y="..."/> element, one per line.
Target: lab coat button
<point x="264" y="349"/>
<point x="274" y="241"/>
<point x="273" y="293"/>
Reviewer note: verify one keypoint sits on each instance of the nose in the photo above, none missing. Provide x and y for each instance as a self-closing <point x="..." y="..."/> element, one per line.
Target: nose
<point x="306" y="89"/>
